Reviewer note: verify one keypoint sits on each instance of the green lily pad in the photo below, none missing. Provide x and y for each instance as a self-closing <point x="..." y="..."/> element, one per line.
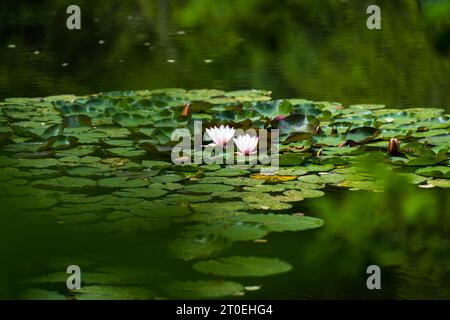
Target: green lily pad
<point x="443" y="139"/>
<point x="441" y="183"/>
<point x="37" y="163"/>
<point x="237" y="231"/>
<point x="60" y="142"/>
<point x="141" y="192"/>
<point x="122" y="182"/>
<point x="88" y="172"/>
<point x="206" y="188"/>
<point x="233" y="181"/>
<point x="113" y="293"/>
<point x="79" y="151"/>
<point x="281" y="222"/>
<point x="298" y="123"/>
<point x="31" y="202"/>
<point x="148" y="209"/>
<point x="243" y="266"/>
<point x="197" y="244"/>
<point x="152" y="164"/>
<point x="271" y="109"/>
<point x="262" y="201"/>
<point x="306" y="193"/>
<point x="40" y="294"/>
<point x="437" y="172"/>
<point x="220" y="206"/>
<point x="167" y="178"/>
<point x="362" y="135"/>
<point x="413" y="178"/>
<point x="185" y="198"/>
<point x="65" y="183"/>
<point x="265" y="188"/>
<point x="74" y="208"/>
<point x="130" y="120"/>
<point x="227" y="172"/>
<point x="76" y="121"/>
<point x="126" y="152"/>
<point x="202" y="289"/>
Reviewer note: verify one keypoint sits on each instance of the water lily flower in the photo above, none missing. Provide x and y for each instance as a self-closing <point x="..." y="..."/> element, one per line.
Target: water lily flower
<point x="246" y="144"/>
<point x="221" y="135"/>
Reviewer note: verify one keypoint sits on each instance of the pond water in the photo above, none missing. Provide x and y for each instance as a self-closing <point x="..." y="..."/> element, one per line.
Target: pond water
<point x="294" y="49"/>
<point x="76" y="190"/>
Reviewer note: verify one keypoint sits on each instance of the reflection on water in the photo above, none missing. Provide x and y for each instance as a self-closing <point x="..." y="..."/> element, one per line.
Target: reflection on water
<point x="328" y="264"/>
<point x="296" y="49"/>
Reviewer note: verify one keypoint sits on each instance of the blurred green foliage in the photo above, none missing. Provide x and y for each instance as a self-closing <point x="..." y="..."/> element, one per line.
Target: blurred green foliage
<point x="403" y="229"/>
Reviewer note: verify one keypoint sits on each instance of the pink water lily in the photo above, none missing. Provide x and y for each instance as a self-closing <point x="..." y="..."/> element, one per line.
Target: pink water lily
<point x="221" y="135"/>
<point x="246" y="144"/>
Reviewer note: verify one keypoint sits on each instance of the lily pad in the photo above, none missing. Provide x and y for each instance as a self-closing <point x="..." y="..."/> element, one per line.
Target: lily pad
<point x="197" y="244"/>
<point x="243" y="266"/>
<point x="122" y="182"/>
<point x="227" y="172"/>
<point x="202" y="289"/>
<point x="113" y="293"/>
<point x="298" y="123"/>
<point x="362" y="134"/>
<point x="207" y="188"/>
<point x="437" y="172"/>
<point x="65" y="183"/>
<point x="441" y="183"/>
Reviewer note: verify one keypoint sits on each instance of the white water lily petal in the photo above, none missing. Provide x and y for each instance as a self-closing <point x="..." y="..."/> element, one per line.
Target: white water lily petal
<point x="246" y="144"/>
<point x="221" y="135"/>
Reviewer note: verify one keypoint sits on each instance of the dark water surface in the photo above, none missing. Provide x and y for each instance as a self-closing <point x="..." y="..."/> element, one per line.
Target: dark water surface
<point x="319" y="51"/>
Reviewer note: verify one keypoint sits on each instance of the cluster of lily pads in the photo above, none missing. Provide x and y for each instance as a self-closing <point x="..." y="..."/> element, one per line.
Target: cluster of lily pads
<point x="100" y="164"/>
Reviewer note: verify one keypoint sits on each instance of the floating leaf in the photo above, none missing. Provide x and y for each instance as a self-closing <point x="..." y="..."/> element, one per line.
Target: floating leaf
<point x="298" y="123"/>
<point x="238" y="181"/>
<point x="243" y="267"/>
<point x="40" y="294"/>
<point x="206" y="188"/>
<point x="141" y="192"/>
<point x="437" y="140"/>
<point x="65" y="183"/>
<point x="77" y="121"/>
<point x="441" y="183"/>
<point x="237" y="231"/>
<point x="362" y="135"/>
<point x="113" y="293"/>
<point x="438" y="172"/>
<point x="272" y="178"/>
<point x="37" y="163"/>
<point x="227" y="172"/>
<point x="122" y="182"/>
<point x="281" y="222"/>
<point x="194" y="244"/>
<point x="60" y="142"/>
<point x="126" y="152"/>
<point x="130" y="120"/>
<point x="273" y="108"/>
<point x="202" y="289"/>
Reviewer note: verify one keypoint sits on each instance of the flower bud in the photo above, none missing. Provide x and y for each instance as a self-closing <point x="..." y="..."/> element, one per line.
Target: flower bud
<point x="186" y="110"/>
<point x="394" y="146"/>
